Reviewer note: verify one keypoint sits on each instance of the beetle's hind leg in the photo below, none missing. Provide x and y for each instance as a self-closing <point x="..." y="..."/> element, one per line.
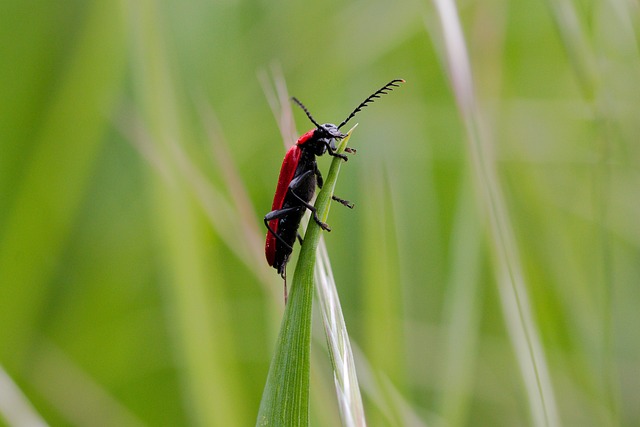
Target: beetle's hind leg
<point x="284" y="277"/>
<point x="277" y="214"/>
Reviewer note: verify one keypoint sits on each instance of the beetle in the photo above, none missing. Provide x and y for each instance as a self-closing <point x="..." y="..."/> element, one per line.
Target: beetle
<point x="297" y="182"/>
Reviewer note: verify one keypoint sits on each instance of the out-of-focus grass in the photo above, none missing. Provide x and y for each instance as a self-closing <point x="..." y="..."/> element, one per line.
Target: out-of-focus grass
<point x="132" y="285"/>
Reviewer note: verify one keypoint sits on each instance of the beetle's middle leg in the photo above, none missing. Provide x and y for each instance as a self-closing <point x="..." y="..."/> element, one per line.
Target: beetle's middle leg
<point x="336" y="198"/>
<point x="295" y="184"/>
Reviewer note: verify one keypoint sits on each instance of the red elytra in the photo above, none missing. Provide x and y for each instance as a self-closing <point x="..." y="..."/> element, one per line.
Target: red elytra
<point x="289" y="166"/>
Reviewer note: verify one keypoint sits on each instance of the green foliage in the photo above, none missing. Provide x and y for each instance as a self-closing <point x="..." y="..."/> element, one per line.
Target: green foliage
<point x="138" y="156"/>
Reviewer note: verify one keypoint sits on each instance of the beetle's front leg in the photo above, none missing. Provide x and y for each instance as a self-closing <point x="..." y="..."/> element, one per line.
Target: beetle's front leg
<point x="333" y="153"/>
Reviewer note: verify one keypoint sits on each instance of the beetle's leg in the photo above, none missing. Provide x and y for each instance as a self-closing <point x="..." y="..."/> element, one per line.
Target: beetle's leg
<point x="350" y="150"/>
<point x="277" y="214"/>
<point x="293" y="186"/>
<point x="333" y="153"/>
<point x="314" y="212"/>
<point x="300" y="238"/>
<point x="295" y="183"/>
<point x="337" y="199"/>
<point x="343" y="202"/>
<point x="284" y="277"/>
<point x="319" y="177"/>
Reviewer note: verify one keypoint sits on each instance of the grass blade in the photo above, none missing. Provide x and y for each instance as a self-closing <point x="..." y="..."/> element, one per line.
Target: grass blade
<point x="50" y="190"/>
<point x="462" y="312"/>
<point x="516" y="308"/>
<point x="285" y="400"/>
<point x="344" y="370"/>
<point x="197" y="312"/>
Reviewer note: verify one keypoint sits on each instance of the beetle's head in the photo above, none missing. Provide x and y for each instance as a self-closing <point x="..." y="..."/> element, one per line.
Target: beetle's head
<point x="326" y="136"/>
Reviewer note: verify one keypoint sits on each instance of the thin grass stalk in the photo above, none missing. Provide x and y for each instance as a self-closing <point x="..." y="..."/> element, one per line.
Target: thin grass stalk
<point x="208" y="374"/>
<point x="382" y="300"/>
<point x="279" y="103"/>
<point x="40" y="217"/>
<point x="78" y="397"/>
<point x="585" y="65"/>
<point x="228" y="219"/>
<point x="510" y="279"/>
<point x="238" y="192"/>
<point x="344" y="370"/>
<point x="385" y="396"/>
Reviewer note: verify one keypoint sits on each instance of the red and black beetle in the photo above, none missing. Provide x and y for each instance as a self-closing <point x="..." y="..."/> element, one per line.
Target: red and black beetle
<point x="297" y="182"/>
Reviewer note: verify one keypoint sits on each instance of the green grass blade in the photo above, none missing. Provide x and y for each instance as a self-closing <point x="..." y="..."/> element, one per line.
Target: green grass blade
<point x="462" y="312"/>
<point x="517" y="309"/>
<point x="202" y="338"/>
<point x="285" y="400"/>
<point x="40" y="219"/>
<point x="591" y="77"/>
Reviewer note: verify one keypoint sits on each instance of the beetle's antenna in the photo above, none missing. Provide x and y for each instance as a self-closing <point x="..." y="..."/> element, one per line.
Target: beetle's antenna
<point x="297" y="101"/>
<point x="382" y="91"/>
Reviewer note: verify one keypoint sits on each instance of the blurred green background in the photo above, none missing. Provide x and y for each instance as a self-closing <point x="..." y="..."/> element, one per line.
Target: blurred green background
<point x="139" y="153"/>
